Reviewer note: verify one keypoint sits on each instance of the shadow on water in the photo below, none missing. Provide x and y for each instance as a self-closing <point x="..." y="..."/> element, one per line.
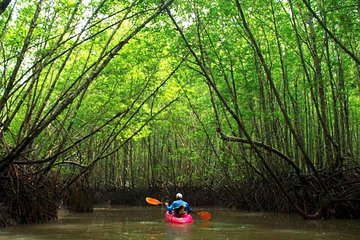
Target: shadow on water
<point x="148" y="223"/>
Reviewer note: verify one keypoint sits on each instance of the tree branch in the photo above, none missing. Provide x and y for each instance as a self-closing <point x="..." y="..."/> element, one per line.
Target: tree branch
<point x="331" y="34"/>
<point x="265" y="146"/>
<point x="3" y="5"/>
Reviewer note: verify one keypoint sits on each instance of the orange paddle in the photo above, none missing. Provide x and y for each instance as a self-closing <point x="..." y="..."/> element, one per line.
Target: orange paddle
<point x="153" y="201"/>
<point x="201" y="214"/>
<point x="204" y="215"/>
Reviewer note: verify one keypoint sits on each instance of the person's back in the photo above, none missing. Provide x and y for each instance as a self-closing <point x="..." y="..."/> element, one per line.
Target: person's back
<point x="179" y="207"/>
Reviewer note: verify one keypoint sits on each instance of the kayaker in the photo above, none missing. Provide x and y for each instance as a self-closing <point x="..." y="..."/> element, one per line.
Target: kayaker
<point x="179" y="207"/>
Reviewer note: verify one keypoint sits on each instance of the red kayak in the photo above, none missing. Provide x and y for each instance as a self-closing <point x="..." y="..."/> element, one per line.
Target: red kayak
<point x="185" y="219"/>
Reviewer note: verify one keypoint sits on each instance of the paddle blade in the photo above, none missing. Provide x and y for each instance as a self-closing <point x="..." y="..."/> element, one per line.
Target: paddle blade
<point x="152" y="201"/>
<point x="204" y="215"/>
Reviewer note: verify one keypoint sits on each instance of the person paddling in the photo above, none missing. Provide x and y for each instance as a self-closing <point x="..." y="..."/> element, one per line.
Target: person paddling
<point x="179" y="207"/>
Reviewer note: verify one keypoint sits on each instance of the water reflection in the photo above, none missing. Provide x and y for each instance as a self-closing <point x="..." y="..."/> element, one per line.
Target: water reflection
<point x="178" y="231"/>
<point x="148" y="223"/>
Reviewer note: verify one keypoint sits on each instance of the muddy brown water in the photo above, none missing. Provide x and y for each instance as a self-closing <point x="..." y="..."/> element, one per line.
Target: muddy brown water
<point x="148" y="223"/>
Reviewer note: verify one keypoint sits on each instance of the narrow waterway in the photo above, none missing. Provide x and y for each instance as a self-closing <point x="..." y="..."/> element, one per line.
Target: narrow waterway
<point x="148" y="223"/>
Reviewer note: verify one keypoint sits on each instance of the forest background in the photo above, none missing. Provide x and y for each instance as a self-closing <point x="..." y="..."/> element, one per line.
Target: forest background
<point x="247" y="104"/>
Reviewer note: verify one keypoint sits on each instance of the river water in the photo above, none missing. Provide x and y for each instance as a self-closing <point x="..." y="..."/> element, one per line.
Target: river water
<point x="148" y="223"/>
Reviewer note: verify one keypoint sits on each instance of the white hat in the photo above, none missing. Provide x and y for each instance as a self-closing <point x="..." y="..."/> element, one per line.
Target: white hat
<point x="179" y="196"/>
